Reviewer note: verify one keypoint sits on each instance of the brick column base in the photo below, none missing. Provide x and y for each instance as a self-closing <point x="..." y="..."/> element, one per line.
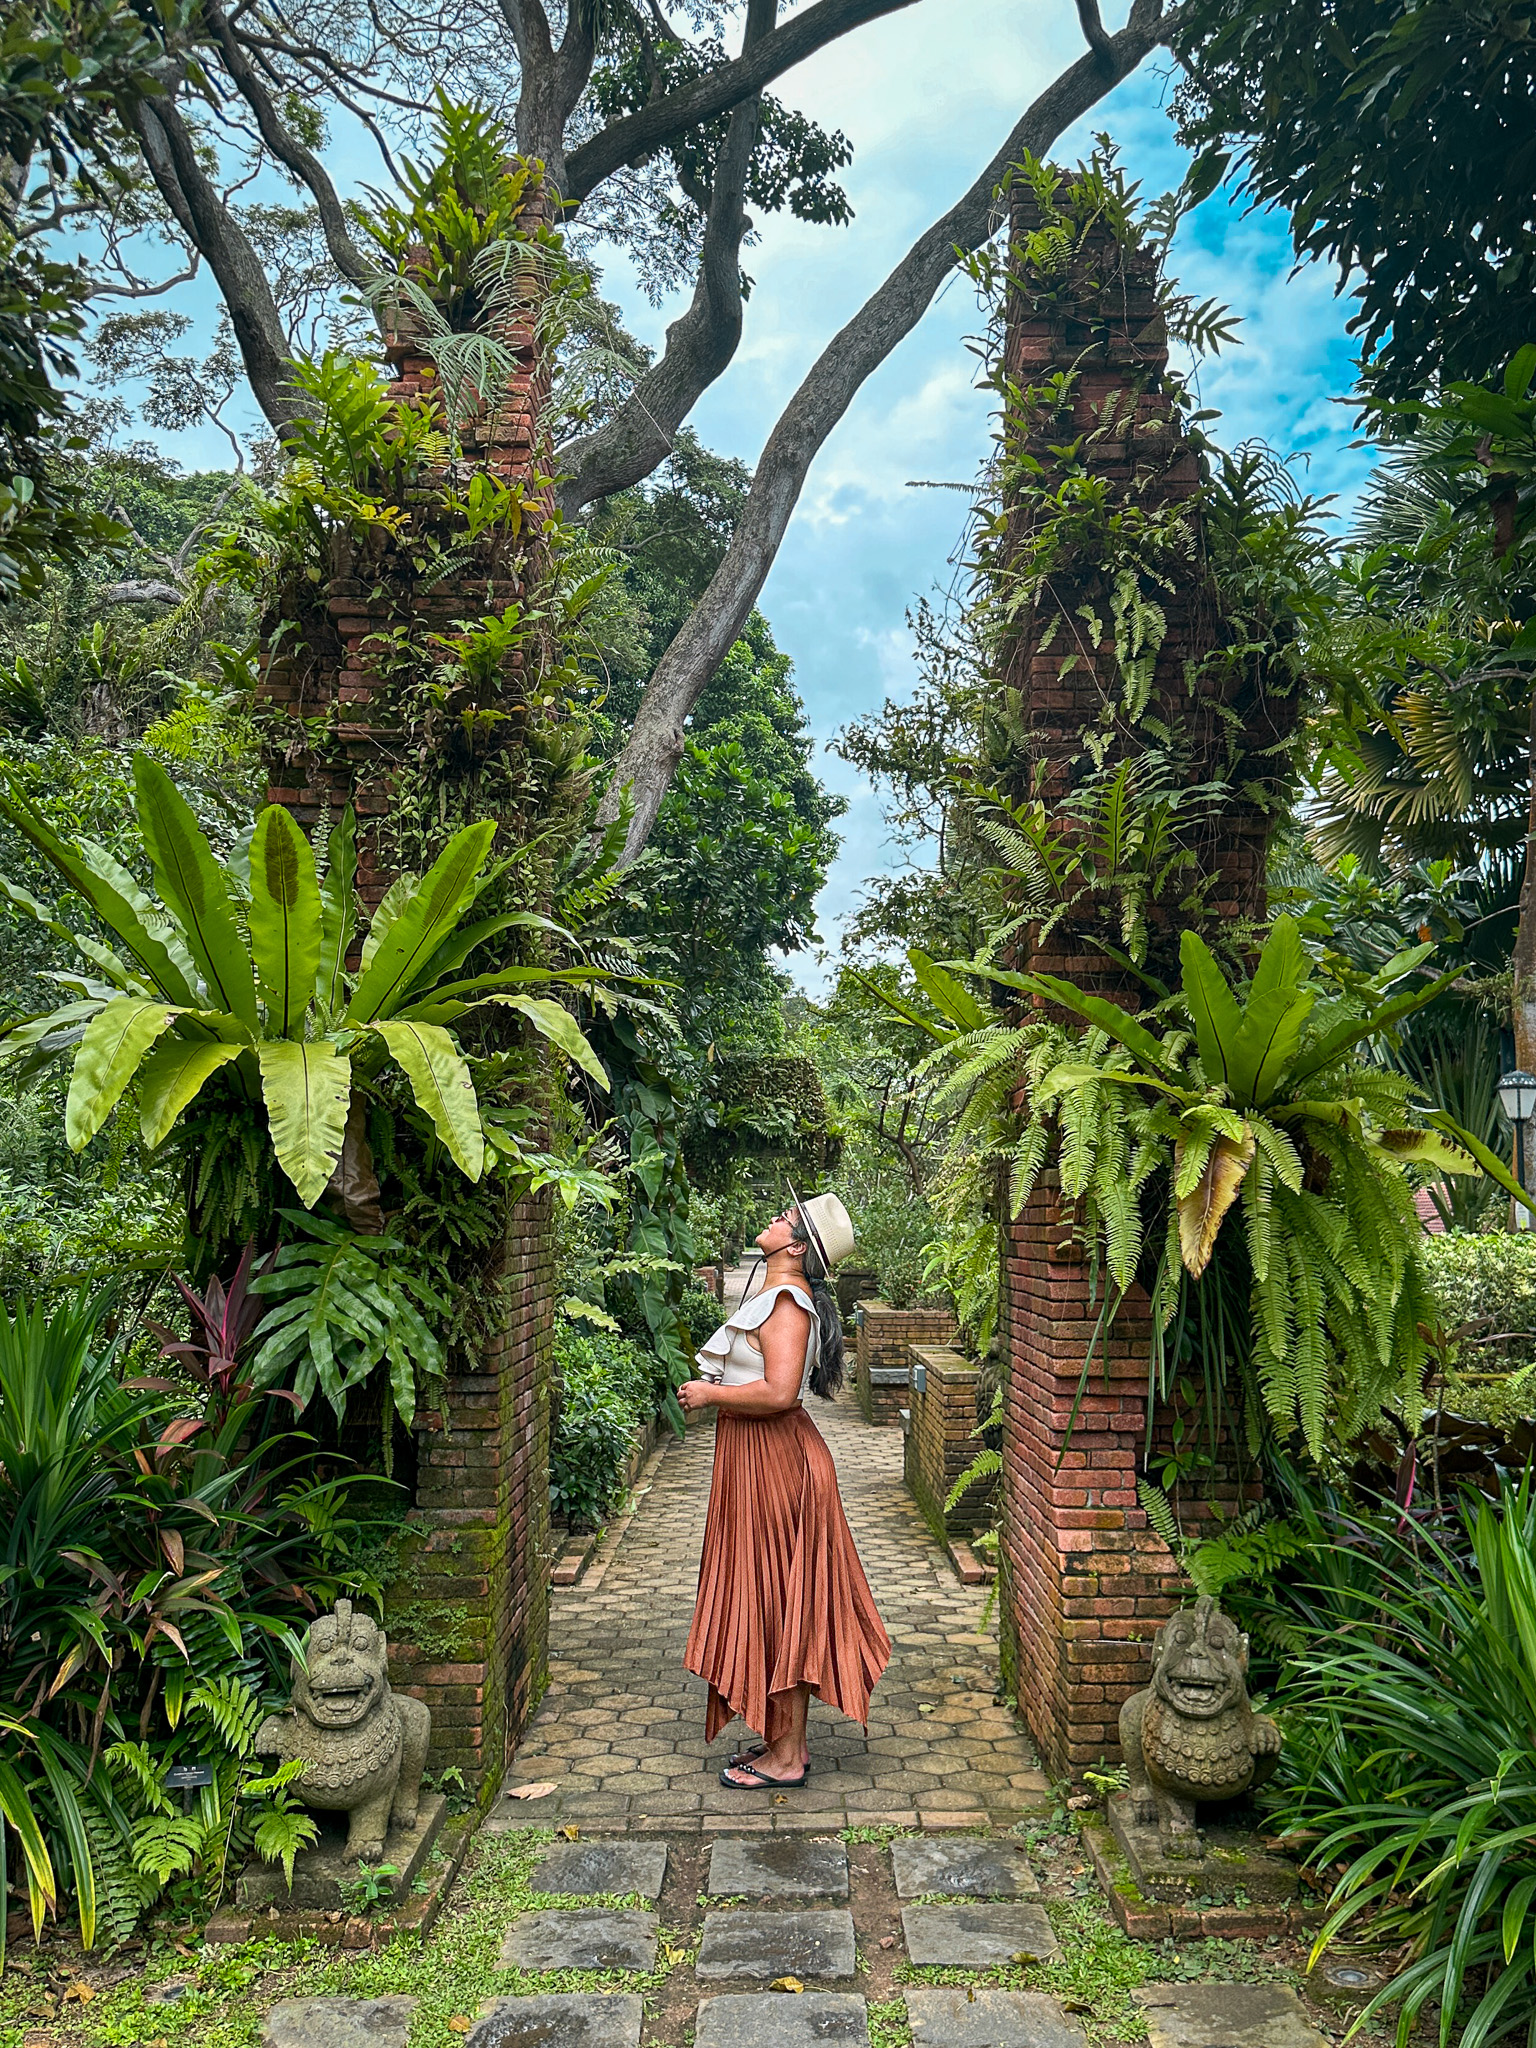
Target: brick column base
<point x="472" y="1610"/>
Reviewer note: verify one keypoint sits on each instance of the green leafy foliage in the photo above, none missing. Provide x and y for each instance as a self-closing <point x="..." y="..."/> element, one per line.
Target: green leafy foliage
<point x="319" y="1032"/>
<point x="344" y="1303"/>
<point x="1409" y="1753"/>
<point x="147" y="1585"/>
<point x="608" y="1387"/>
<point x="1394" y="134"/>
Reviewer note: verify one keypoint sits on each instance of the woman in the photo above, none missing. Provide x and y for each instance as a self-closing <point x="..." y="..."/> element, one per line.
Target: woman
<point x="783" y="1609"/>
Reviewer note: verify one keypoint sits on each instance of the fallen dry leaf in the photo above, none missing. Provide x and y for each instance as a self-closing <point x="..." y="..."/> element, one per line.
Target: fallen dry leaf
<point x="786" y="1984"/>
<point x="887" y="1941"/>
<point x="82" y="1992"/>
<point x="540" y="1791"/>
<point x="570" y="1832"/>
<point x="459" y="2024"/>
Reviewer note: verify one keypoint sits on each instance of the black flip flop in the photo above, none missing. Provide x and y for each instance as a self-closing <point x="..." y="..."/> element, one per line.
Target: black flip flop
<point x="750" y="1756"/>
<point x="764" y="1782"/>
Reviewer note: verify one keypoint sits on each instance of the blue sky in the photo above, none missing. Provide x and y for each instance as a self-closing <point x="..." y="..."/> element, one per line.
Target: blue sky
<point x="926" y="102"/>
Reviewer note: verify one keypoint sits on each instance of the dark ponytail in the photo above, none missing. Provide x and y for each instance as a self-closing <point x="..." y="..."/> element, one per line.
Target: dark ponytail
<point x="827" y="1372"/>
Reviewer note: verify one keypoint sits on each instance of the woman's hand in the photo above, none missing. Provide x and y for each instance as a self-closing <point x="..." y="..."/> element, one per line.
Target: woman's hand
<point x="694" y="1395"/>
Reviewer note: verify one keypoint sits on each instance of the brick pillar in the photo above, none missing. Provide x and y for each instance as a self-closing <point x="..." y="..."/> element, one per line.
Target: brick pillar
<point x="469" y="1625"/>
<point x="1086" y="1583"/>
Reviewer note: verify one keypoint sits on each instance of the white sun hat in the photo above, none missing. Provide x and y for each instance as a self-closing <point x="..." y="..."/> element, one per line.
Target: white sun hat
<point x="827" y="1224"/>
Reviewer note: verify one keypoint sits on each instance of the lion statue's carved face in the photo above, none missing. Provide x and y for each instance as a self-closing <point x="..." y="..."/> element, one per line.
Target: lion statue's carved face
<point x="345" y="1672"/>
<point x="1200" y="1662"/>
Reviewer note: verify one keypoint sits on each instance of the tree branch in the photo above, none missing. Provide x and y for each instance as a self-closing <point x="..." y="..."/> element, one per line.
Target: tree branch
<point x="634" y="136"/>
<point x="655" y="744"/>
<point x="288" y="150"/>
<point x="699" y="345"/>
<point x="212" y="229"/>
<point x="1096" y="34"/>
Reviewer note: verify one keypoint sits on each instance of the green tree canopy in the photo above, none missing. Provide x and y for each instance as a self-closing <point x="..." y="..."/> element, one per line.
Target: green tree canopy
<point x="1398" y="136"/>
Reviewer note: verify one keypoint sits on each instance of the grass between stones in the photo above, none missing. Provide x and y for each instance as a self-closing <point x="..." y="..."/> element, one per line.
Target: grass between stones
<point x="451" y="1974"/>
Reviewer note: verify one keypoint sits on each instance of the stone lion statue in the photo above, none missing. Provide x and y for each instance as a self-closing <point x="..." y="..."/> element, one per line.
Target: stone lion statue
<point x="364" y="1747"/>
<point x="1192" y="1734"/>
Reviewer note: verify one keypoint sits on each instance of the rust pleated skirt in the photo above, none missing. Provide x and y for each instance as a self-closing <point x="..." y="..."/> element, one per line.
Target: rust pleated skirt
<point x="783" y="1600"/>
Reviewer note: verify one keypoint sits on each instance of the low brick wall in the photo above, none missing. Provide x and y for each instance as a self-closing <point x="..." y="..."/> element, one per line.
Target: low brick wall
<point x="880" y="1367"/>
<point x="941" y="1440"/>
<point x="475" y="1595"/>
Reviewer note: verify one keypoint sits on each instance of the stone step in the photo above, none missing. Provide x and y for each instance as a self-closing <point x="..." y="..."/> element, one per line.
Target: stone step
<point x="965" y="1869"/>
<point x="942" y="2018"/>
<point x="973" y="1937"/>
<point x="338" y="2023"/>
<point x="581" y="1938"/>
<point x="584" y="1870"/>
<point x="760" y="1947"/>
<point x="1226" y="2016"/>
<point x="777" y="1867"/>
<point x="583" y="2019"/>
<point x="775" y="2019"/>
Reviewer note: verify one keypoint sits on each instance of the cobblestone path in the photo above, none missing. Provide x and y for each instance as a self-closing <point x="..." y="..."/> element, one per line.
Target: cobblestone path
<point x="621" y="1730"/>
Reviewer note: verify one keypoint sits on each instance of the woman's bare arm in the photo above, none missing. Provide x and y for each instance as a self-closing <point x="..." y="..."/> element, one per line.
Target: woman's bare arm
<point x="783" y="1338"/>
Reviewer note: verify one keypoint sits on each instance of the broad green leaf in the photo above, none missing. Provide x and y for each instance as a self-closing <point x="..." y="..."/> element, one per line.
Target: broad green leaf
<point x="1095" y="1010"/>
<point x="903" y="1010"/>
<point x="432" y="911"/>
<point x="115" y="1041"/>
<point x="112" y="893"/>
<point x="16" y="1806"/>
<point x="440" y="1081"/>
<point x="452" y="954"/>
<point x="193" y="883"/>
<point x="394" y="900"/>
<point x="557" y="1024"/>
<point x="1283" y="964"/>
<point x="1490" y="1162"/>
<point x="948" y="996"/>
<point x="1428" y="1148"/>
<point x="171" y="1077"/>
<point x="1267" y="1041"/>
<point x="1212" y="1007"/>
<point x="1333" y="1045"/>
<point x="338" y="913"/>
<point x="66" y="1807"/>
<point x="306" y="1089"/>
<point x="285" y="919"/>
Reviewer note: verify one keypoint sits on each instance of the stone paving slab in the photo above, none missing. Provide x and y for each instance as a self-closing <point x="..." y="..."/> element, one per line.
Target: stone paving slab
<point x="586" y="2019"/>
<point x="581" y="1938"/>
<point x="762" y="1946"/>
<point x="778" y="1867"/>
<point x="338" y="2023"/>
<point x="584" y="1870"/>
<point x="775" y="2019"/>
<point x="944" y="2018"/>
<point x="973" y="1937"/>
<point x="966" y="1870"/>
<point x="1226" y="2016"/>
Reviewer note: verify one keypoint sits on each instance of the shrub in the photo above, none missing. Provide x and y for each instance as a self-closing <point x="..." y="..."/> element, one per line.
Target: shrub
<point x="894" y="1232"/>
<point x="152" y="1549"/>
<point x="1410" y="1752"/>
<point x="608" y="1386"/>
<point x="1487" y="1274"/>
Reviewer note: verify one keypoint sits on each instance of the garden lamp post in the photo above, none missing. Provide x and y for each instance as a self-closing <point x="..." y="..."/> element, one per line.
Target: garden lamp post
<point x="1517" y="1098"/>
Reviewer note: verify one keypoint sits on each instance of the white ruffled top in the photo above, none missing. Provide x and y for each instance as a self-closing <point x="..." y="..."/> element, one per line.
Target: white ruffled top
<point x="731" y="1360"/>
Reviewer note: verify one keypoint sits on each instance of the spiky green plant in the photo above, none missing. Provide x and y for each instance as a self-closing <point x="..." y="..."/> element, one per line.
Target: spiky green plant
<point x="251" y="978"/>
<point x="1247" y="1099"/>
